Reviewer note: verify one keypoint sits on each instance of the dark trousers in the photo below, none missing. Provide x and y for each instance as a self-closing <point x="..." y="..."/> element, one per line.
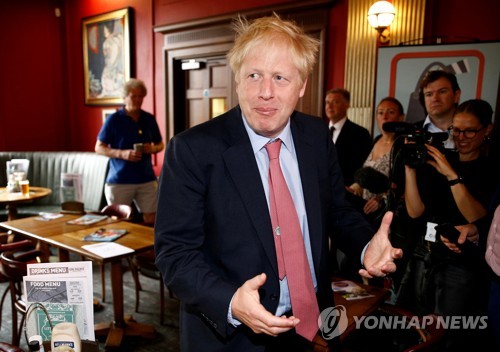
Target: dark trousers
<point x="438" y="286"/>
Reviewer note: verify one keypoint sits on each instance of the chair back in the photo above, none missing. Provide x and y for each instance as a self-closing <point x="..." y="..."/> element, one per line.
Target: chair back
<point x="14" y="263"/>
<point x="119" y="211"/>
<point x="5" y="245"/>
<point x="428" y="338"/>
<point x="72" y="207"/>
<point x="7" y="347"/>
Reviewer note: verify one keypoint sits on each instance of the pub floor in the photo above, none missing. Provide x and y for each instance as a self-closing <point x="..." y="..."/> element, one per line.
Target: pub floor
<point x="167" y="339"/>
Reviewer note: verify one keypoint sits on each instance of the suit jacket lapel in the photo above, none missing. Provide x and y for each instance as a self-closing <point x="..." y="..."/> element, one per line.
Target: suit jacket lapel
<point x="242" y="167"/>
<point x="344" y="133"/>
<point x="309" y="178"/>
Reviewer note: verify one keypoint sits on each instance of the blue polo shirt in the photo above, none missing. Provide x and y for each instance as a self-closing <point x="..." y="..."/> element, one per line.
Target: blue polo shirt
<point x="120" y="131"/>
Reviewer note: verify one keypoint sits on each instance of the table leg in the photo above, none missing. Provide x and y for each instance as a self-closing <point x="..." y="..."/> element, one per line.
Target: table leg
<point x="11" y="211"/>
<point x="121" y="326"/>
<point x="117" y="287"/>
<point x="63" y="255"/>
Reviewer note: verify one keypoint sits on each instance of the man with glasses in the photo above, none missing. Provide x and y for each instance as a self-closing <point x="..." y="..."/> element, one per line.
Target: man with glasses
<point x="440" y="94"/>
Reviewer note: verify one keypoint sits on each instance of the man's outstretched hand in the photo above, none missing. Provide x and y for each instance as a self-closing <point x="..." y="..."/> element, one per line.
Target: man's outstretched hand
<point x="246" y="307"/>
<point x="380" y="255"/>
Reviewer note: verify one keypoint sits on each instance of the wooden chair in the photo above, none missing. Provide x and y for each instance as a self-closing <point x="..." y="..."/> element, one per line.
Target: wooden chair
<point x="7" y="347"/>
<point x="8" y="243"/>
<point x="144" y="263"/>
<point x="425" y="337"/>
<point x="13" y="265"/>
<point x="116" y="211"/>
<point x="429" y="338"/>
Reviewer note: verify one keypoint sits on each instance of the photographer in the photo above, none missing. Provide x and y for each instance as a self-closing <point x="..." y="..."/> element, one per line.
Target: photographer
<point x="454" y="189"/>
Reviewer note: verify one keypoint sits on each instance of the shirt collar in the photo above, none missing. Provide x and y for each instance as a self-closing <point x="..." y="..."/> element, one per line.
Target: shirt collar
<point x="430" y="126"/>
<point x="339" y="124"/>
<point x="258" y="142"/>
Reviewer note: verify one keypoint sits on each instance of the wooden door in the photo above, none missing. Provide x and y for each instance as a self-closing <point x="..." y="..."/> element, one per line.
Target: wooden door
<point x="207" y="90"/>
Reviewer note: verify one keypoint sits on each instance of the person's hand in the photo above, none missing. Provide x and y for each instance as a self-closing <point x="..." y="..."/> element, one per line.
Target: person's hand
<point x="131" y="155"/>
<point x="380" y="255"/>
<point x="147" y="148"/>
<point x="468" y="232"/>
<point x="246" y="307"/>
<point x="355" y="188"/>
<point x="372" y="204"/>
<point x="440" y="163"/>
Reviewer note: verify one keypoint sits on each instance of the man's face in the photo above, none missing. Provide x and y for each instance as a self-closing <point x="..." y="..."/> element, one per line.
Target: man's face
<point x="440" y="99"/>
<point x="133" y="101"/>
<point x="268" y="88"/>
<point x="335" y="107"/>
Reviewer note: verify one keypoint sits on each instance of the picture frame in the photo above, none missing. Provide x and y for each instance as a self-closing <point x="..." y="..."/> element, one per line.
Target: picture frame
<point x="106" y="113"/>
<point x="106" y="56"/>
<point x="401" y="68"/>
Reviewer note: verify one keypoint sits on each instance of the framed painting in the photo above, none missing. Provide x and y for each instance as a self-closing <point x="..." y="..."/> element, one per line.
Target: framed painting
<point x="106" y="113"/>
<point x="106" y="56"/>
<point x="401" y="69"/>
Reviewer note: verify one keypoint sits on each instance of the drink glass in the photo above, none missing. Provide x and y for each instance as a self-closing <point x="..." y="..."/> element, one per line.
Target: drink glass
<point x="25" y="187"/>
<point x="138" y="147"/>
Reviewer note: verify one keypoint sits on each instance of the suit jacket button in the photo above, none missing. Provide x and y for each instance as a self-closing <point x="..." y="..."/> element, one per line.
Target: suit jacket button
<point x="274" y="297"/>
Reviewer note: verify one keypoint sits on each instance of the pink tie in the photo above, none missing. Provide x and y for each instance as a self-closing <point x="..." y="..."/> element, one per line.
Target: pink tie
<point x="290" y="250"/>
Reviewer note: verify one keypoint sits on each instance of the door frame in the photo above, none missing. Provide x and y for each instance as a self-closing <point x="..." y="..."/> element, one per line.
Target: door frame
<point x="173" y="56"/>
<point x="215" y="37"/>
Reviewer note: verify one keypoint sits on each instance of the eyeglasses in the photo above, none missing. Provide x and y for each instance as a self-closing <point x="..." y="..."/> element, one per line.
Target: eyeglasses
<point x="455" y="132"/>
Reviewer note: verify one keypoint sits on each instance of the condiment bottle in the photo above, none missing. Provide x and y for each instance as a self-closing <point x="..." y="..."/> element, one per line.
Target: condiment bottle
<point x="65" y="334"/>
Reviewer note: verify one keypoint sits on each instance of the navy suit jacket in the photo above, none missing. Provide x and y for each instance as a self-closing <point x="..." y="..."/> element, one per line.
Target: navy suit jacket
<point x="353" y="145"/>
<point x="213" y="230"/>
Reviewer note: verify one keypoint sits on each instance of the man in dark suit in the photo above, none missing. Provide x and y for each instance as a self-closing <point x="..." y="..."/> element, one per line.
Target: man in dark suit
<point x="214" y="238"/>
<point x="352" y="141"/>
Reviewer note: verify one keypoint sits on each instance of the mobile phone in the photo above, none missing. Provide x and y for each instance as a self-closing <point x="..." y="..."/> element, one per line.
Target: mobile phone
<point x="449" y="231"/>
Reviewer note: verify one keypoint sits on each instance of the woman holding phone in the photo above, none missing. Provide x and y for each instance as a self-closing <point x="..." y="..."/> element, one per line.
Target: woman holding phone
<point x="454" y="189"/>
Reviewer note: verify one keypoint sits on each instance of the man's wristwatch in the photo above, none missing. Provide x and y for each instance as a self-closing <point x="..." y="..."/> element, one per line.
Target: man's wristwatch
<point x="459" y="179"/>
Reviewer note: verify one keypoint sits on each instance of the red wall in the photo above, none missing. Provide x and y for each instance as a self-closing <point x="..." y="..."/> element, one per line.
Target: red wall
<point x="32" y="71"/>
<point x="459" y="20"/>
<point x="41" y="59"/>
<point x="86" y="119"/>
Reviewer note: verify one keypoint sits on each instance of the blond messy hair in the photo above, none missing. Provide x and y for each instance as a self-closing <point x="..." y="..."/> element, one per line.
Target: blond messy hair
<point x="270" y="31"/>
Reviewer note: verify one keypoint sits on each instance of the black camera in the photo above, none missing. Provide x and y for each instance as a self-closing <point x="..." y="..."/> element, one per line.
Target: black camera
<point x="414" y="154"/>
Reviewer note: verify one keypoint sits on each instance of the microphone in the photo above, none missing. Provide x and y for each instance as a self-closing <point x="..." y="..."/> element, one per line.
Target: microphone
<point x="372" y="180"/>
<point x="398" y="127"/>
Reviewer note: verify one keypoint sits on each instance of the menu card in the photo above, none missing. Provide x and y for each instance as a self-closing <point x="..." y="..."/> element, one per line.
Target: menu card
<point x="107" y="249"/>
<point x="87" y="219"/>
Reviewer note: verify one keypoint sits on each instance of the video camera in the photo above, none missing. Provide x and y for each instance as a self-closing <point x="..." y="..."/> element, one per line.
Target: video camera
<point x="415" y="154"/>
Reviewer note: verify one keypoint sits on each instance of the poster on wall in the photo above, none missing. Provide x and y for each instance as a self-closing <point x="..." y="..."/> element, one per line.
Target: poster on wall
<point x="400" y="70"/>
<point x="106" y="56"/>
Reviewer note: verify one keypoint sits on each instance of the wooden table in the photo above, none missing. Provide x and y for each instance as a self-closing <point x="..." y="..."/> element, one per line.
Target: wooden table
<point x="12" y="200"/>
<point x="67" y="239"/>
<point x="354" y="308"/>
<point x="361" y="307"/>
